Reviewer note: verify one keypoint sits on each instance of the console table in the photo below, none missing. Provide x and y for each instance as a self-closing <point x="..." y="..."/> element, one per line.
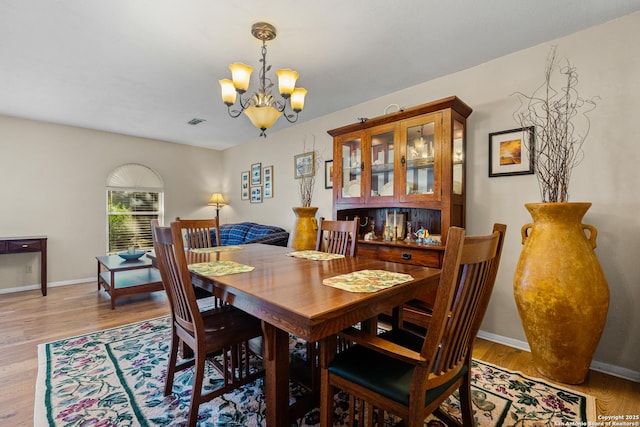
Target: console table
<point x="17" y="245"/>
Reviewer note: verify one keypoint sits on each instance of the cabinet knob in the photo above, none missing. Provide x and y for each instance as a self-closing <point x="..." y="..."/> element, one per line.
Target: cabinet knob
<point x="25" y="246"/>
<point x="405" y="256"/>
<point x="403" y="161"/>
<point x="362" y="166"/>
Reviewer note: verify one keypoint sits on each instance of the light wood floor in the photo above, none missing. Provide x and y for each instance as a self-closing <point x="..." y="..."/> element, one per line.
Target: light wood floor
<point x="27" y="319"/>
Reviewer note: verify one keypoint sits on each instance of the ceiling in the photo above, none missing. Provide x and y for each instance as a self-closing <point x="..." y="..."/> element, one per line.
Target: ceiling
<point x="147" y="67"/>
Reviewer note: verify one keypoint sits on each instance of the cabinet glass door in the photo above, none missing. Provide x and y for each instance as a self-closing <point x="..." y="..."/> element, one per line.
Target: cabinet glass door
<point x="351" y="163"/>
<point x="420" y="158"/>
<point x="458" y="157"/>
<point x="420" y="154"/>
<point x="382" y="148"/>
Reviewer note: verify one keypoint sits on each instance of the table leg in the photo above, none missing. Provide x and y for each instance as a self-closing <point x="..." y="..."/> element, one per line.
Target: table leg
<point x="112" y="290"/>
<point x="43" y="267"/>
<point x="327" y="353"/>
<point x="276" y="381"/>
<point x="370" y="326"/>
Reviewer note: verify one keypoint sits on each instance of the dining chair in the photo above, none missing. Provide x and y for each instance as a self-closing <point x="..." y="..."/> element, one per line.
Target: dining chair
<point x="338" y="237"/>
<point x="200" y="233"/>
<point x="410" y="375"/>
<point x="224" y="331"/>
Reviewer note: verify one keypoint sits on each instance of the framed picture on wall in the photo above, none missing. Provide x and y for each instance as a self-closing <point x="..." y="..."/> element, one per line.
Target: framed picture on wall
<point x="256" y="174"/>
<point x="256" y="194"/>
<point x="511" y="152"/>
<point x="304" y="165"/>
<point x="267" y="179"/>
<point x="244" y="185"/>
<point x="328" y="174"/>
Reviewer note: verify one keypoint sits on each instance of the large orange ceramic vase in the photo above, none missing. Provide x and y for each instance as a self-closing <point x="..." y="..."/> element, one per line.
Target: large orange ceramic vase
<point x="305" y="230"/>
<point x="560" y="290"/>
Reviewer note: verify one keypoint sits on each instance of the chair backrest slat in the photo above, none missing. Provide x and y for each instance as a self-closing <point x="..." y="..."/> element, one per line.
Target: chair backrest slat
<point x="338" y="237"/>
<point x="468" y="275"/>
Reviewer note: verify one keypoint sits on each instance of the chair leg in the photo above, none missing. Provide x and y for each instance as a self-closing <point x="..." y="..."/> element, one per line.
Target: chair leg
<point x="327" y="391"/>
<point x="466" y="410"/>
<point x="171" y="367"/>
<point x="196" y="392"/>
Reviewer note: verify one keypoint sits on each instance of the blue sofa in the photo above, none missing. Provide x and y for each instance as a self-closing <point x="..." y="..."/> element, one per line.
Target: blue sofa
<point x="245" y="233"/>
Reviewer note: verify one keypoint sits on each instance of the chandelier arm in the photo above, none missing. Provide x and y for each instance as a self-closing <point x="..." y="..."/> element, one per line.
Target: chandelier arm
<point x="291" y="118"/>
<point x="280" y="105"/>
<point x="244" y="104"/>
<point x="234" y="113"/>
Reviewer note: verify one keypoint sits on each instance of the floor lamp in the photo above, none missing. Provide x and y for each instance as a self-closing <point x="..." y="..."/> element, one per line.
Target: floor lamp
<point x="217" y="200"/>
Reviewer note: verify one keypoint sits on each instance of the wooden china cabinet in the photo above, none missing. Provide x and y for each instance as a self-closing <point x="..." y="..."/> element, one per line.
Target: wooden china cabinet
<point x="407" y="167"/>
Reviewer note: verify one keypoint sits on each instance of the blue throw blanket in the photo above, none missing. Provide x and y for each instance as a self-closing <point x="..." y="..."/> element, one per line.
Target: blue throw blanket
<point x="249" y="232"/>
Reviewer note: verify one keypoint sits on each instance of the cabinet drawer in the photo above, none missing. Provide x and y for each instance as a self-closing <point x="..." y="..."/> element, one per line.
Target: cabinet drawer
<point x="24" y="246"/>
<point x="367" y="251"/>
<point x="426" y="258"/>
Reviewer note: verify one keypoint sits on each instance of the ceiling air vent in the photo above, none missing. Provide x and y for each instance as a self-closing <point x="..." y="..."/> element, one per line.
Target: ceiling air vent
<point x="195" y="121"/>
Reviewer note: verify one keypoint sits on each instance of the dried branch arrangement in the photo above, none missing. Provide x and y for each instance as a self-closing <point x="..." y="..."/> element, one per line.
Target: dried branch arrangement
<point x="558" y="146"/>
<point x="305" y="189"/>
<point x="306" y="183"/>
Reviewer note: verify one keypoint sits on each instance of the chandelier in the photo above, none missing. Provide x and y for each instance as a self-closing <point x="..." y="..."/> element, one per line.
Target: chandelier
<point x="262" y="108"/>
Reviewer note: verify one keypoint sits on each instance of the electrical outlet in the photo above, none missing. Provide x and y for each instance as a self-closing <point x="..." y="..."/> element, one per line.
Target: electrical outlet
<point x="28" y="269"/>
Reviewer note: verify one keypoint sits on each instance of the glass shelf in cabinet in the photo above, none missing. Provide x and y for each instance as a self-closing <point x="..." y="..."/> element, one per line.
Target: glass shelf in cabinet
<point x="385" y="167"/>
<point x="351" y="171"/>
<point x="420" y="163"/>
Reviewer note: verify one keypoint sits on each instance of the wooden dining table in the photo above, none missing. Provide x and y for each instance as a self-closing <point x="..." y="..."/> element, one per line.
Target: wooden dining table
<point x="288" y="295"/>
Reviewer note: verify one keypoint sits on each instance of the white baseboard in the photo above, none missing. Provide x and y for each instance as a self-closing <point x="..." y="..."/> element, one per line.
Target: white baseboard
<point x="49" y="285"/>
<point x="606" y="368"/>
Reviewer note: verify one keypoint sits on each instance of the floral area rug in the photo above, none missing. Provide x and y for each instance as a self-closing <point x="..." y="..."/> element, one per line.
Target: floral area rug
<point x="115" y="377"/>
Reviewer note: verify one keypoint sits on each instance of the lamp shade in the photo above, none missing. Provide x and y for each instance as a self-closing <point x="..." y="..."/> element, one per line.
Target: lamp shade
<point x="228" y="91"/>
<point x="263" y="117"/>
<point x="286" y="81"/>
<point x="297" y="99"/>
<point x="217" y="199"/>
<point x="240" y="73"/>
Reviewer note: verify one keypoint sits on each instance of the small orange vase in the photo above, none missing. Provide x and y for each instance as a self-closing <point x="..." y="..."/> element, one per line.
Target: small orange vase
<point x="560" y="290"/>
<point x="305" y="230"/>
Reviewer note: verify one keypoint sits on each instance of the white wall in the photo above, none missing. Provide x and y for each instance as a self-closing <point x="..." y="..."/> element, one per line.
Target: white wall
<point x="608" y="63"/>
<point x="52" y="182"/>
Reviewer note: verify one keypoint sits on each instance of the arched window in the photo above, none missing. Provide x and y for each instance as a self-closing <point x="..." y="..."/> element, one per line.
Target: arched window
<point x="134" y="198"/>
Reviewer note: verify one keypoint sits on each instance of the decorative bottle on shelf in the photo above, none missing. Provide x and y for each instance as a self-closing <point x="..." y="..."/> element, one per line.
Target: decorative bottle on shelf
<point x="388" y="233"/>
<point x="408" y="239"/>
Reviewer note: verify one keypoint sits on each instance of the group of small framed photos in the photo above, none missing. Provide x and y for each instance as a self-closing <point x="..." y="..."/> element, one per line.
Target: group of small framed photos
<point x="257" y="184"/>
